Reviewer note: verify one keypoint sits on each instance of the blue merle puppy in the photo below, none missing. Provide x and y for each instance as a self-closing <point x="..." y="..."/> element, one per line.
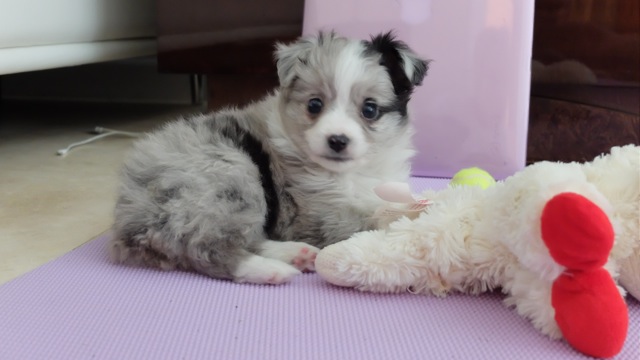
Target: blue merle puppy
<point x="250" y="194"/>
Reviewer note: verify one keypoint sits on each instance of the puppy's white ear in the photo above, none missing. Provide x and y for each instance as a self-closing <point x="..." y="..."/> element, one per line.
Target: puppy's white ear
<point x="286" y="58"/>
<point x="399" y="59"/>
<point x="289" y="56"/>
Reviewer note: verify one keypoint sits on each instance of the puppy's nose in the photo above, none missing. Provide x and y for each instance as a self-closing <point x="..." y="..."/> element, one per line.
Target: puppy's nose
<point x="338" y="142"/>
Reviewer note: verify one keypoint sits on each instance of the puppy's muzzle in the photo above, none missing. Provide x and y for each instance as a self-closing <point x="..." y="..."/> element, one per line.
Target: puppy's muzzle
<point x="338" y="143"/>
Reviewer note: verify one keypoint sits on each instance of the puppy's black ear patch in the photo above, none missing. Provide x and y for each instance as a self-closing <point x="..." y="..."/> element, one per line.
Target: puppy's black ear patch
<point x="406" y="69"/>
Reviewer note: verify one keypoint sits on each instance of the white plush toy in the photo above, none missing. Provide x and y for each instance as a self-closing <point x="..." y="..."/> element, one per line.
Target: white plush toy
<point x="557" y="238"/>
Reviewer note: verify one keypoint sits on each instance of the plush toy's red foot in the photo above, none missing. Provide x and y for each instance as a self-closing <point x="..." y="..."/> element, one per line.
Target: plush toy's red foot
<point x="590" y="311"/>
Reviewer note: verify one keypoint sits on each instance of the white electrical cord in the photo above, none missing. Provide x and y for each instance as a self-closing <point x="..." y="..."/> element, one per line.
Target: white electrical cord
<point x="102" y="133"/>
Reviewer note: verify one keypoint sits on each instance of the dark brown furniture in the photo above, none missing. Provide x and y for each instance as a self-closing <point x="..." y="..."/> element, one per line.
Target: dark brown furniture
<point x="229" y="41"/>
<point x="591" y="101"/>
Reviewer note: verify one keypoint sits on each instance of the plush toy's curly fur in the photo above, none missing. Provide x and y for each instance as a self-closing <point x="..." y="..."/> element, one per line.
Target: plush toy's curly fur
<point x="473" y="240"/>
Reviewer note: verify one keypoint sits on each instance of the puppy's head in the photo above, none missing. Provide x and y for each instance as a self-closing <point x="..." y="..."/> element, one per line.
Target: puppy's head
<point x="343" y="100"/>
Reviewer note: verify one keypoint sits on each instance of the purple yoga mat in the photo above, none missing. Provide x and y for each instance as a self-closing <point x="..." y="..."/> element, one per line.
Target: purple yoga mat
<point x="81" y="306"/>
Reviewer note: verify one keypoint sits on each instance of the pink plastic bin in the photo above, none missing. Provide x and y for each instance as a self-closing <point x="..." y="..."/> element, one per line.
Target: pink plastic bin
<point x="472" y="109"/>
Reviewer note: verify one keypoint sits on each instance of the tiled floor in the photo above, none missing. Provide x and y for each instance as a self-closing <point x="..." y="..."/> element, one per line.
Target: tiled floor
<point x="51" y="204"/>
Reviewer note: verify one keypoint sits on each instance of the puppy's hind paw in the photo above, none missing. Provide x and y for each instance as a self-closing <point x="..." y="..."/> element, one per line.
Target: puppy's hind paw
<point x="260" y="270"/>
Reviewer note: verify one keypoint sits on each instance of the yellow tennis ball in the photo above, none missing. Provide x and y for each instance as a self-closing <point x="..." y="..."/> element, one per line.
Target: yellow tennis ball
<point x="473" y="177"/>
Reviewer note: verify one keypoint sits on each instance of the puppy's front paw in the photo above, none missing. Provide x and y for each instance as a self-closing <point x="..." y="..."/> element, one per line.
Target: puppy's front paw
<point x="261" y="270"/>
<point x="306" y="258"/>
<point x="301" y="255"/>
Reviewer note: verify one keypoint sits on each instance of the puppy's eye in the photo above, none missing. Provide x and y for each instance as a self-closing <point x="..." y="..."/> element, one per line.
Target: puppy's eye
<point x="370" y="110"/>
<point x="314" y="106"/>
